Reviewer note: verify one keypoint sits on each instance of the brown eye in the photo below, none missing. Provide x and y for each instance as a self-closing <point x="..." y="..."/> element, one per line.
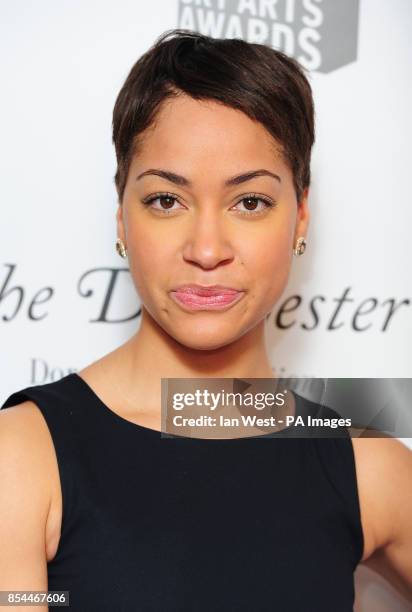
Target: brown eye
<point x="165" y="202"/>
<point x="251" y="205"/>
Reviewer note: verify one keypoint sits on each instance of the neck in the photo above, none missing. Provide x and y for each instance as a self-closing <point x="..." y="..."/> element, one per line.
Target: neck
<point x="156" y="354"/>
<point x="152" y="354"/>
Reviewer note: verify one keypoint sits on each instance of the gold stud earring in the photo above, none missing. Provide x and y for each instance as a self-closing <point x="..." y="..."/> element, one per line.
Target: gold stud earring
<point x="300" y="246"/>
<point x="120" y="248"/>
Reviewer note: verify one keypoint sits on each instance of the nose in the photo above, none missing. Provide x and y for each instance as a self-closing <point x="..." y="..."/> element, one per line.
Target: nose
<point x="207" y="244"/>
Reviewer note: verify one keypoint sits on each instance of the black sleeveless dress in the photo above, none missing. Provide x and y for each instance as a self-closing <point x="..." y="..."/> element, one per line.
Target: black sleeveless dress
<point x="155" y="524"/>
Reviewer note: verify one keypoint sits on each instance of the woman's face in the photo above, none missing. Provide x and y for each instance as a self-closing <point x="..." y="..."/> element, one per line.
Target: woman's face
<point x="204" y="229"/>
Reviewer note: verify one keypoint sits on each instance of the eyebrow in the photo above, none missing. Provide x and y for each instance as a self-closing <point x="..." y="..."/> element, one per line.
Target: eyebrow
<point x="184" y="182"/>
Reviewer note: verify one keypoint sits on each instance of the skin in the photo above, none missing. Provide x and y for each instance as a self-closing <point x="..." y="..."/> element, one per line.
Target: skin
<point x="208" y="238"/>
<point x="205" y="240"/>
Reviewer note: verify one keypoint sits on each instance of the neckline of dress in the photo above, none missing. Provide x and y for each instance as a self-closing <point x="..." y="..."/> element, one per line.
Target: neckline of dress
<point x="157" y="432"/>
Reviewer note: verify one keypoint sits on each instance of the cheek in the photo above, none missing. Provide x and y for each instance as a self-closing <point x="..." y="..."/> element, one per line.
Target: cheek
<point x="268" y="265"/>
<point x="150" y="260"/>
<point x="268" y="253"/>
<point x="269" y="258"/>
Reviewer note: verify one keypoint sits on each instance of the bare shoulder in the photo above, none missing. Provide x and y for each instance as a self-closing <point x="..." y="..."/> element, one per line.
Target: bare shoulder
<point x="26" y="447"/>
<point x="25" y="418"/>
<point x="384" y="471"/>
<point x="23" y="425"/>
<point x="25" y="496"/>
<point x="26" y="408"/>
<point x="384" y="475"/>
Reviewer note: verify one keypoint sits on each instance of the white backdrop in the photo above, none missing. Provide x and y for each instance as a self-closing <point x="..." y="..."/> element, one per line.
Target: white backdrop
<point x="62" y="65"/>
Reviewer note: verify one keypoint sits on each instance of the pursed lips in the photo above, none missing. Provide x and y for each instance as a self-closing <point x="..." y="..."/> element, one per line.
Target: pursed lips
<point x="200" y="297"/>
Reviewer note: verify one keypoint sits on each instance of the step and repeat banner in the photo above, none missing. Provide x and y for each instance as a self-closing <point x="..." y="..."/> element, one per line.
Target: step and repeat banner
<point x="66" y="298"/>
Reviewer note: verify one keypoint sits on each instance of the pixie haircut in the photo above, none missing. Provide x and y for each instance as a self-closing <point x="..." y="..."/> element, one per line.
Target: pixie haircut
<point x="264" y="83"/>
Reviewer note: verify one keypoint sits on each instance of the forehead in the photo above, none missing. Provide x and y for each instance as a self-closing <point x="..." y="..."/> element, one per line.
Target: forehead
<point x="206" y="130"/>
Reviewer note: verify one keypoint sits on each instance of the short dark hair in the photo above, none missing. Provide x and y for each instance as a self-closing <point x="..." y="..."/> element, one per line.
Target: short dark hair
<point x="264" y="83"/>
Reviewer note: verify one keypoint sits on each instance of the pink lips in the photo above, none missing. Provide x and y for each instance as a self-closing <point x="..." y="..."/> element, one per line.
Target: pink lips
<point x="201" y="297"/>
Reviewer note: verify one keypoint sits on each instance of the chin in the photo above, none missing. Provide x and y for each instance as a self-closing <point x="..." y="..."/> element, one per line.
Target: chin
<point x="210" y="344"/>
<point x="207" y="337"/>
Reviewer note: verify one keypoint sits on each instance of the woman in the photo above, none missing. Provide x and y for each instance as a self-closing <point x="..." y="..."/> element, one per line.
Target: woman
<point x="213" y="141"/>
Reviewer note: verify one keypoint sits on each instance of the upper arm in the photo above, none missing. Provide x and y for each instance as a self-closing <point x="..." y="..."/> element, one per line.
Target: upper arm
<point x="388" y="462"/>
<point x="24" y="500"/>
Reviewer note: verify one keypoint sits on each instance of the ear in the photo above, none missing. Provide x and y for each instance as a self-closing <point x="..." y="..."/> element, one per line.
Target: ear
<point x="303" y="216"/>
<point x="121" y="233"/>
